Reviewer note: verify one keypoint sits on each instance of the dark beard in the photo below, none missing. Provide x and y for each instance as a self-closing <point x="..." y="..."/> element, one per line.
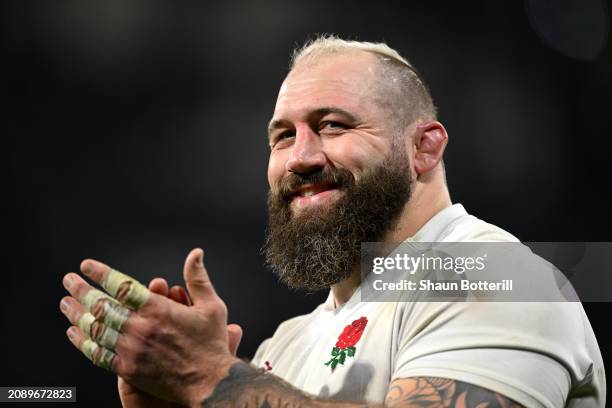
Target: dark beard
<point x="322" y="246"/>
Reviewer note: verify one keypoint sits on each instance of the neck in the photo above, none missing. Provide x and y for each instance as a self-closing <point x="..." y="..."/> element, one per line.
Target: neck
<point x="426" y="200"/>
<point x="342" y="291"/>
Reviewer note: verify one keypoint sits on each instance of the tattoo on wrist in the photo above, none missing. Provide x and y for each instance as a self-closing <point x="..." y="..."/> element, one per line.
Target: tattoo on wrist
<point x="249" y="387"/>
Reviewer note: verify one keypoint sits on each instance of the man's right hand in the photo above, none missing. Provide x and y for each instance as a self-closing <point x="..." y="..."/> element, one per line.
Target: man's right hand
<point x="132" y="397"/>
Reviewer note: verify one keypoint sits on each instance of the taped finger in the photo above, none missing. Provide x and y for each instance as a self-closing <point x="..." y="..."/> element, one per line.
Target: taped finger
<point x="85" y="322"/>
<point x="100" y="356"/>
<point x="105" y="309"/>
<point x="126" y="289"/>
<point x="92" y="296"/>
<point x="97" y="331"/>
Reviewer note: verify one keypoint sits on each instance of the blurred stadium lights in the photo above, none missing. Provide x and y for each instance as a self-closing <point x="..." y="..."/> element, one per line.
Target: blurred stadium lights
<point x="575" y="28"/>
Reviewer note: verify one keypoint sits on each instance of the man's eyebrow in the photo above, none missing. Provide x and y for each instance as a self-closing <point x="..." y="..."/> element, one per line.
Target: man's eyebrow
<point x="326" y="110"/>
<point x="277" y="124"/>
<point x="333" y="109"/>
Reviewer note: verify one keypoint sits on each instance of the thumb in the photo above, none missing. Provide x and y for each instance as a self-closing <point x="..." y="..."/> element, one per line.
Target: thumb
<point x="234" y="332"/>
<point x="196" y="278"/>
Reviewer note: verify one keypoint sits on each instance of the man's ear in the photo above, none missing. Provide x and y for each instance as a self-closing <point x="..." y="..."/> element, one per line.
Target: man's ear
<point x="430" y="139"/>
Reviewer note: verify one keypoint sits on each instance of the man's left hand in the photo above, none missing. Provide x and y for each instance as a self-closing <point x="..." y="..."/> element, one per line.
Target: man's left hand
<point x="170" y="350"/>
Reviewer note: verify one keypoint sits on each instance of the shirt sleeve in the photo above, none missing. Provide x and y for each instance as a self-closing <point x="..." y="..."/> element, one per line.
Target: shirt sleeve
<point x="529" y="352"/>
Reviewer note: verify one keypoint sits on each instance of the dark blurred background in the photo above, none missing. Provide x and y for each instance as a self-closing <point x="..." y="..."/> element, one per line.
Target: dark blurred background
<point x="136" y="130"/>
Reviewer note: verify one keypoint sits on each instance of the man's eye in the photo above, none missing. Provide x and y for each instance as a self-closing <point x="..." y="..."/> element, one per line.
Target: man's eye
<point x="284" y="135"/>
<point x="280" y="138"/>
<point x="331" y="125"/>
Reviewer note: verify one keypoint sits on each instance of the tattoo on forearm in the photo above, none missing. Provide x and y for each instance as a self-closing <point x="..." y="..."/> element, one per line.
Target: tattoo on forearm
<point x="248" y="387"/>
<point x="431" y="392"/>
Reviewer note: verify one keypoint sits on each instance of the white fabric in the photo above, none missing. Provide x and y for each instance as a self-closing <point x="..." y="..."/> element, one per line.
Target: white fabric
<point x="537" y="354"/>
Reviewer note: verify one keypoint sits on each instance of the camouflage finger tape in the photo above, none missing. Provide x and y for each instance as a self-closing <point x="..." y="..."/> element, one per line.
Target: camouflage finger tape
<point x="107" y="337"/>
<point x="85" y="323"/>
<point x="114" y="315"/>
<point x="126" y="289"/>
<point x="100" y="356"/>
<point x="107" y="309"/>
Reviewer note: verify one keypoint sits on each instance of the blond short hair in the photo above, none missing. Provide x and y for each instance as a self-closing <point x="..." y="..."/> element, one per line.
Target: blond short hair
<point x="402" y="89"/>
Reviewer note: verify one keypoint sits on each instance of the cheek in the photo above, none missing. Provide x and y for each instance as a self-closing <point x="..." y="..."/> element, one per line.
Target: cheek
<point x="353" y="156"/>
<point x="276" y="168"/>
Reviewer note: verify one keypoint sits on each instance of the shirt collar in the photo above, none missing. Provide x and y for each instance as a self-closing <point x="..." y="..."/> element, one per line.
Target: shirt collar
<point x="432" y="230"/>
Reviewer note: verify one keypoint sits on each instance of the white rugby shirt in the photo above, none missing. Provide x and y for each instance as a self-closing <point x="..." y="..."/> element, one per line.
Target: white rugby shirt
<point x="536" y="353"/>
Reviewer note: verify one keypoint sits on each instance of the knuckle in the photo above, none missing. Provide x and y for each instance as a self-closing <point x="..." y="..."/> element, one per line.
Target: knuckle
<point x="96" y="330"/>
<point x="98" y="308"/>
<point x="123" y="291"/>
<point x="218" y="310"/>
<point x="132" y="352"/>
<point x="156" y="308"/>
<point x="147" y="331"/>
<point x="201" y="280"/>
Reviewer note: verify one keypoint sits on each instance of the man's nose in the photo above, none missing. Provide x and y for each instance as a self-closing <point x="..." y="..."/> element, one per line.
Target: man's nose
<point x="307" y="152"/>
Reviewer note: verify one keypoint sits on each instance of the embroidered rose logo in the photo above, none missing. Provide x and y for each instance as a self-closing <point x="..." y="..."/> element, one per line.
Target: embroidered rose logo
<point x="345" y="346"/>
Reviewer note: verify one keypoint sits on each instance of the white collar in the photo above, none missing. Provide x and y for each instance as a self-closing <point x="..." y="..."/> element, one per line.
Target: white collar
<point x="432" y="230"/>
<point x="429" y="232"/>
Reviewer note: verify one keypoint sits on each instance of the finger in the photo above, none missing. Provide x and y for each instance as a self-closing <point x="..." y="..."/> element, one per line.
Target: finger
<point x="101" y="305"/>
<point x="159" y="286"/>
<point x="76" y="286"/>
<point x="179" y="294"/>
<point x="234" y="332"/>
<point x="105" y="309"/>
<point x="196" y="278"/>
<point x="122" y="287"/>
<point x="98" y="331"/>
<point x="100" y="356"/>
<point x="90" y="327"/>
<point x="96" y="271"/>
<point x="84" y="292"/>
<point x="77" y="315"/>
<point x="72" y="309"/>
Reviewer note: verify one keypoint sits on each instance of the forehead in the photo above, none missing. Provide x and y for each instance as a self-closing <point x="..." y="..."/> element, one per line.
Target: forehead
<point x="344" y="80"/>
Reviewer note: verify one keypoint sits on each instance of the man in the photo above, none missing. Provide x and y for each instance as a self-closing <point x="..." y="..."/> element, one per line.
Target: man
<point x="356" y="156"/>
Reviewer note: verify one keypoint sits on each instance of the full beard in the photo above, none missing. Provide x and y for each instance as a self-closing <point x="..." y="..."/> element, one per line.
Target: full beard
<point x="321" y="246"/>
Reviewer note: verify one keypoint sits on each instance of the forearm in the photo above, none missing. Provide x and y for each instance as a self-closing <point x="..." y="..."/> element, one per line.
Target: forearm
<point x="248" y="387"/>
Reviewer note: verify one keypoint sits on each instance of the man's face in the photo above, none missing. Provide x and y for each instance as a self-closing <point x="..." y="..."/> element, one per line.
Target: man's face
<point x="326" y="116"/>
<point x="339" y="175"/>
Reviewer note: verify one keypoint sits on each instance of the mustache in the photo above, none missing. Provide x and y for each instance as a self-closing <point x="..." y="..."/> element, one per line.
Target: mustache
<point x="340" y="178"/>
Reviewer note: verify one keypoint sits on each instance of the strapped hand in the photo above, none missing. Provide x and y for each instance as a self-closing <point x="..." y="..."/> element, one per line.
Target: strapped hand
<point x="171" y="350"/>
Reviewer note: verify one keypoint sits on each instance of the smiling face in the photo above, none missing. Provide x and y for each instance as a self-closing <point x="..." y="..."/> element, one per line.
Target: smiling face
<point x="327" y="116"/>
<point x="339" y="175"/>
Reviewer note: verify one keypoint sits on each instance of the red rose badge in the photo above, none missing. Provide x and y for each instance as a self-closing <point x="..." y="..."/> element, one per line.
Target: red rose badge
<point x="346" y="342"/>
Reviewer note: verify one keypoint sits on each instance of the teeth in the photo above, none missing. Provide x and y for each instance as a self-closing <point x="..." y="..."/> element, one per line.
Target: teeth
<point x="307" y="192"/>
